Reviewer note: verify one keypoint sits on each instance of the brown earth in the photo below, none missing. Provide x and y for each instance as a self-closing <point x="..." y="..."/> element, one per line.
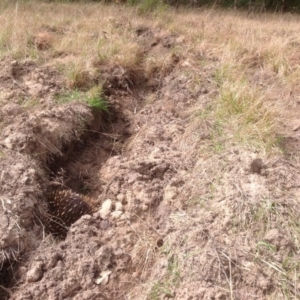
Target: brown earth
<point x="172" y="219"/>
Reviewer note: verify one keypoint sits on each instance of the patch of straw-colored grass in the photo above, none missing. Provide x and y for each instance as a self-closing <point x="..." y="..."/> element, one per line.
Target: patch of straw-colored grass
<point x="244" y="114"/>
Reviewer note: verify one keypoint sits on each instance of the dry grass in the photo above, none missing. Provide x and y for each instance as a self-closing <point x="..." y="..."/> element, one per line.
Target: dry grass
<point x="256" y="64"/>
<point x="76" y="38"/>
<point x="250" y="243"/>
<point x="252" y="62"/>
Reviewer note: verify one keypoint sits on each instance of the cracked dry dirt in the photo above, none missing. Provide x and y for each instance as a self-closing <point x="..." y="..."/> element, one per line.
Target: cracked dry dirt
<point x="172" y="218"/>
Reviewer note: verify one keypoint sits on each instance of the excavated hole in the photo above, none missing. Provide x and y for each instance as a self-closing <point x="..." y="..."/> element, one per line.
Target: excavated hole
<point x="7" y="279"/>
<point x="78" y="169"/>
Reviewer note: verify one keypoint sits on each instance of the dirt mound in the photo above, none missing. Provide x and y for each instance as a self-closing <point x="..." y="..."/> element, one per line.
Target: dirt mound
<point x="22" y="183"/>
<point x="27" y="84"/>
<point x="30" y="142"/>
<point x="135" y="190"/>
<point x="72" y="268"/>
<point x="44" y="134"/>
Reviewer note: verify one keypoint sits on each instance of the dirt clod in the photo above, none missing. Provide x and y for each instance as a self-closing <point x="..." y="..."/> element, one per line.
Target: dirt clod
<point x="256" y="166"/>
<point x="43" y="40"/>
<point x="105" y="208"/>
<point x="35" y="273"/>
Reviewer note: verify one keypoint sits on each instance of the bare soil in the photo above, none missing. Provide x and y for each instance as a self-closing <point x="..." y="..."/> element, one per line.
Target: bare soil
<point x="172" y="219"/>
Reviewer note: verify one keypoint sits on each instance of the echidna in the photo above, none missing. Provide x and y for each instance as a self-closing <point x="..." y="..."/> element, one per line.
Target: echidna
<point x="64" y="208"/>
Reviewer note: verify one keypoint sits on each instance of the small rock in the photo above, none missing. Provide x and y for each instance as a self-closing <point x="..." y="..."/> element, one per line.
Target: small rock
<point x="35" y="273"/>
<point x="104" y="224"/>
<point x="120" y="197"/>
<point x="103" y="278"/>
<point x="256" y="166"/>
<point x="144" y="207"/>
<point x="53" y="261"/>
<point x="170" y="193"/>
<point x="132" y="178"/>
<point x="105" y="208"/>
<point x="272" y="234"/>
<point x="116" y="214"/>
<point x="119" y="206"/>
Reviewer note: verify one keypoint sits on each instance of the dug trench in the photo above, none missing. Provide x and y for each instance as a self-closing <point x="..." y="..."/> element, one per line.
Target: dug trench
<point x="60" y="149"/>
<point x="157" y="230"/>
<point x="128" y="162"/>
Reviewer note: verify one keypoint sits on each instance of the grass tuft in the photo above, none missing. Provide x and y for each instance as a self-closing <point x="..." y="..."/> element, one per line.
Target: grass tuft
<point x="243" y="110"/>
<point x="94" y="98"/>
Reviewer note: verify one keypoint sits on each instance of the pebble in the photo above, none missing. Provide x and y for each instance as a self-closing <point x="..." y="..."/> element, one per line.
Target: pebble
<point x="106" y="209"/>
<point x="35" y="273"/>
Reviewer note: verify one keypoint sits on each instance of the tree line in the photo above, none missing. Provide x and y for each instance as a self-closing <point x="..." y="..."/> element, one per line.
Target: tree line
<point x="259" y="5"/>
<point x="255" y="5"/>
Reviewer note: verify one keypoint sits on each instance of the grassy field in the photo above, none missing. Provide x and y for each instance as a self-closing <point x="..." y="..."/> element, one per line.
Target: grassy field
<point x="77" y="38"/>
